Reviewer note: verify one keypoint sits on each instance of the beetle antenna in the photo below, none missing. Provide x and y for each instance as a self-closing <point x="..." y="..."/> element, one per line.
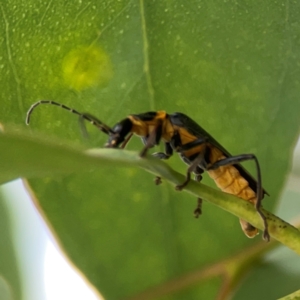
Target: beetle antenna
<point x="88" y="117"/>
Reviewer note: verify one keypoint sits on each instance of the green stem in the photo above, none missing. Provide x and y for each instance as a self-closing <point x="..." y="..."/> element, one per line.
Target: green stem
<point x="278" y="229"/>
<point x="29" y="157"/>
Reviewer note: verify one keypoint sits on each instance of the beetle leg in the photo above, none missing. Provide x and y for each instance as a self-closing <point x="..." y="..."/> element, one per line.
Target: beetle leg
<point x="199" y="160"/>
<point x="198" y="178"/>
<point x="198" y="174"/>
<point x="198" y="209"/>
<point x="126" y="141"/>
<point x="161" y="155"/>
<point x="194" y="167"/>
<point x="176" y="144"/>
<point x="153" y="138"/>
<point x="164" y="155"/>
<point x="179" y="187"/>
<point x="259" y="192"/>
<point x="157" y="180"/>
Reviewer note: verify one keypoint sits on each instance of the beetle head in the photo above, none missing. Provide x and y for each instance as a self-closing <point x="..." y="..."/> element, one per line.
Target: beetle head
<point x="119" y="133"/>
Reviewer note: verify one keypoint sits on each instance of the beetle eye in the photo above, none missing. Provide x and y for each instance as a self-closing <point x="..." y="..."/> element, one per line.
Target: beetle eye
<point x="113" y="141"/>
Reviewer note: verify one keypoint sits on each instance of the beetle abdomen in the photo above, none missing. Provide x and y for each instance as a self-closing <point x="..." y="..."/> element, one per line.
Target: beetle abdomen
<point x="230" y="181"/>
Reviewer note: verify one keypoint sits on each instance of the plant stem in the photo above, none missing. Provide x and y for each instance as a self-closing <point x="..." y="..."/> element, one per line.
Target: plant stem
<point x="278" y="229"/>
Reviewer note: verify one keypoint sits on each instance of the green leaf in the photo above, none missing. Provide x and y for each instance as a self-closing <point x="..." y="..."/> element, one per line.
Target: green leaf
<point x="293" y="296"/>
<point x="231" y="67"/>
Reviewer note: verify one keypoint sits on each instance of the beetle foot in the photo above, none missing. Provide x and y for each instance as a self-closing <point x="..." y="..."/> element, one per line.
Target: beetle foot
<point x="179" y="187"/>
<point x="157" y="180"/>
<point x="198" y="210"/>
<point x="266" y="235"/>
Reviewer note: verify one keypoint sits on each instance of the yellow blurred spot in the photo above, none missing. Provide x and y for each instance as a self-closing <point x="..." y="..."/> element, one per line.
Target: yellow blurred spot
<point x="137" y="197"/>
<point x="85" y="67"/>
<point x="131" y="172"/>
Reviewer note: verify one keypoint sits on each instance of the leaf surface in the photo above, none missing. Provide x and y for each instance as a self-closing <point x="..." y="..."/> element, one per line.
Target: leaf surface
<point x="232" y="67"/>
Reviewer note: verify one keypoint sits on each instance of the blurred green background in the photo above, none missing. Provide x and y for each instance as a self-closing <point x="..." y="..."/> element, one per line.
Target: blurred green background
<point x="231" y="66"/>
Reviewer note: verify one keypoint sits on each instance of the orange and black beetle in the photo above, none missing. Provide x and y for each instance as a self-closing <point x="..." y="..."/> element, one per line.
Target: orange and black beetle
<point x="197" y="148"/>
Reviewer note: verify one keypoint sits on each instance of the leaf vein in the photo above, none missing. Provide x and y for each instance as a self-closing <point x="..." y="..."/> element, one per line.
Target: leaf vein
<point x="11" y="62"/>
<point x="146" y="55"/>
